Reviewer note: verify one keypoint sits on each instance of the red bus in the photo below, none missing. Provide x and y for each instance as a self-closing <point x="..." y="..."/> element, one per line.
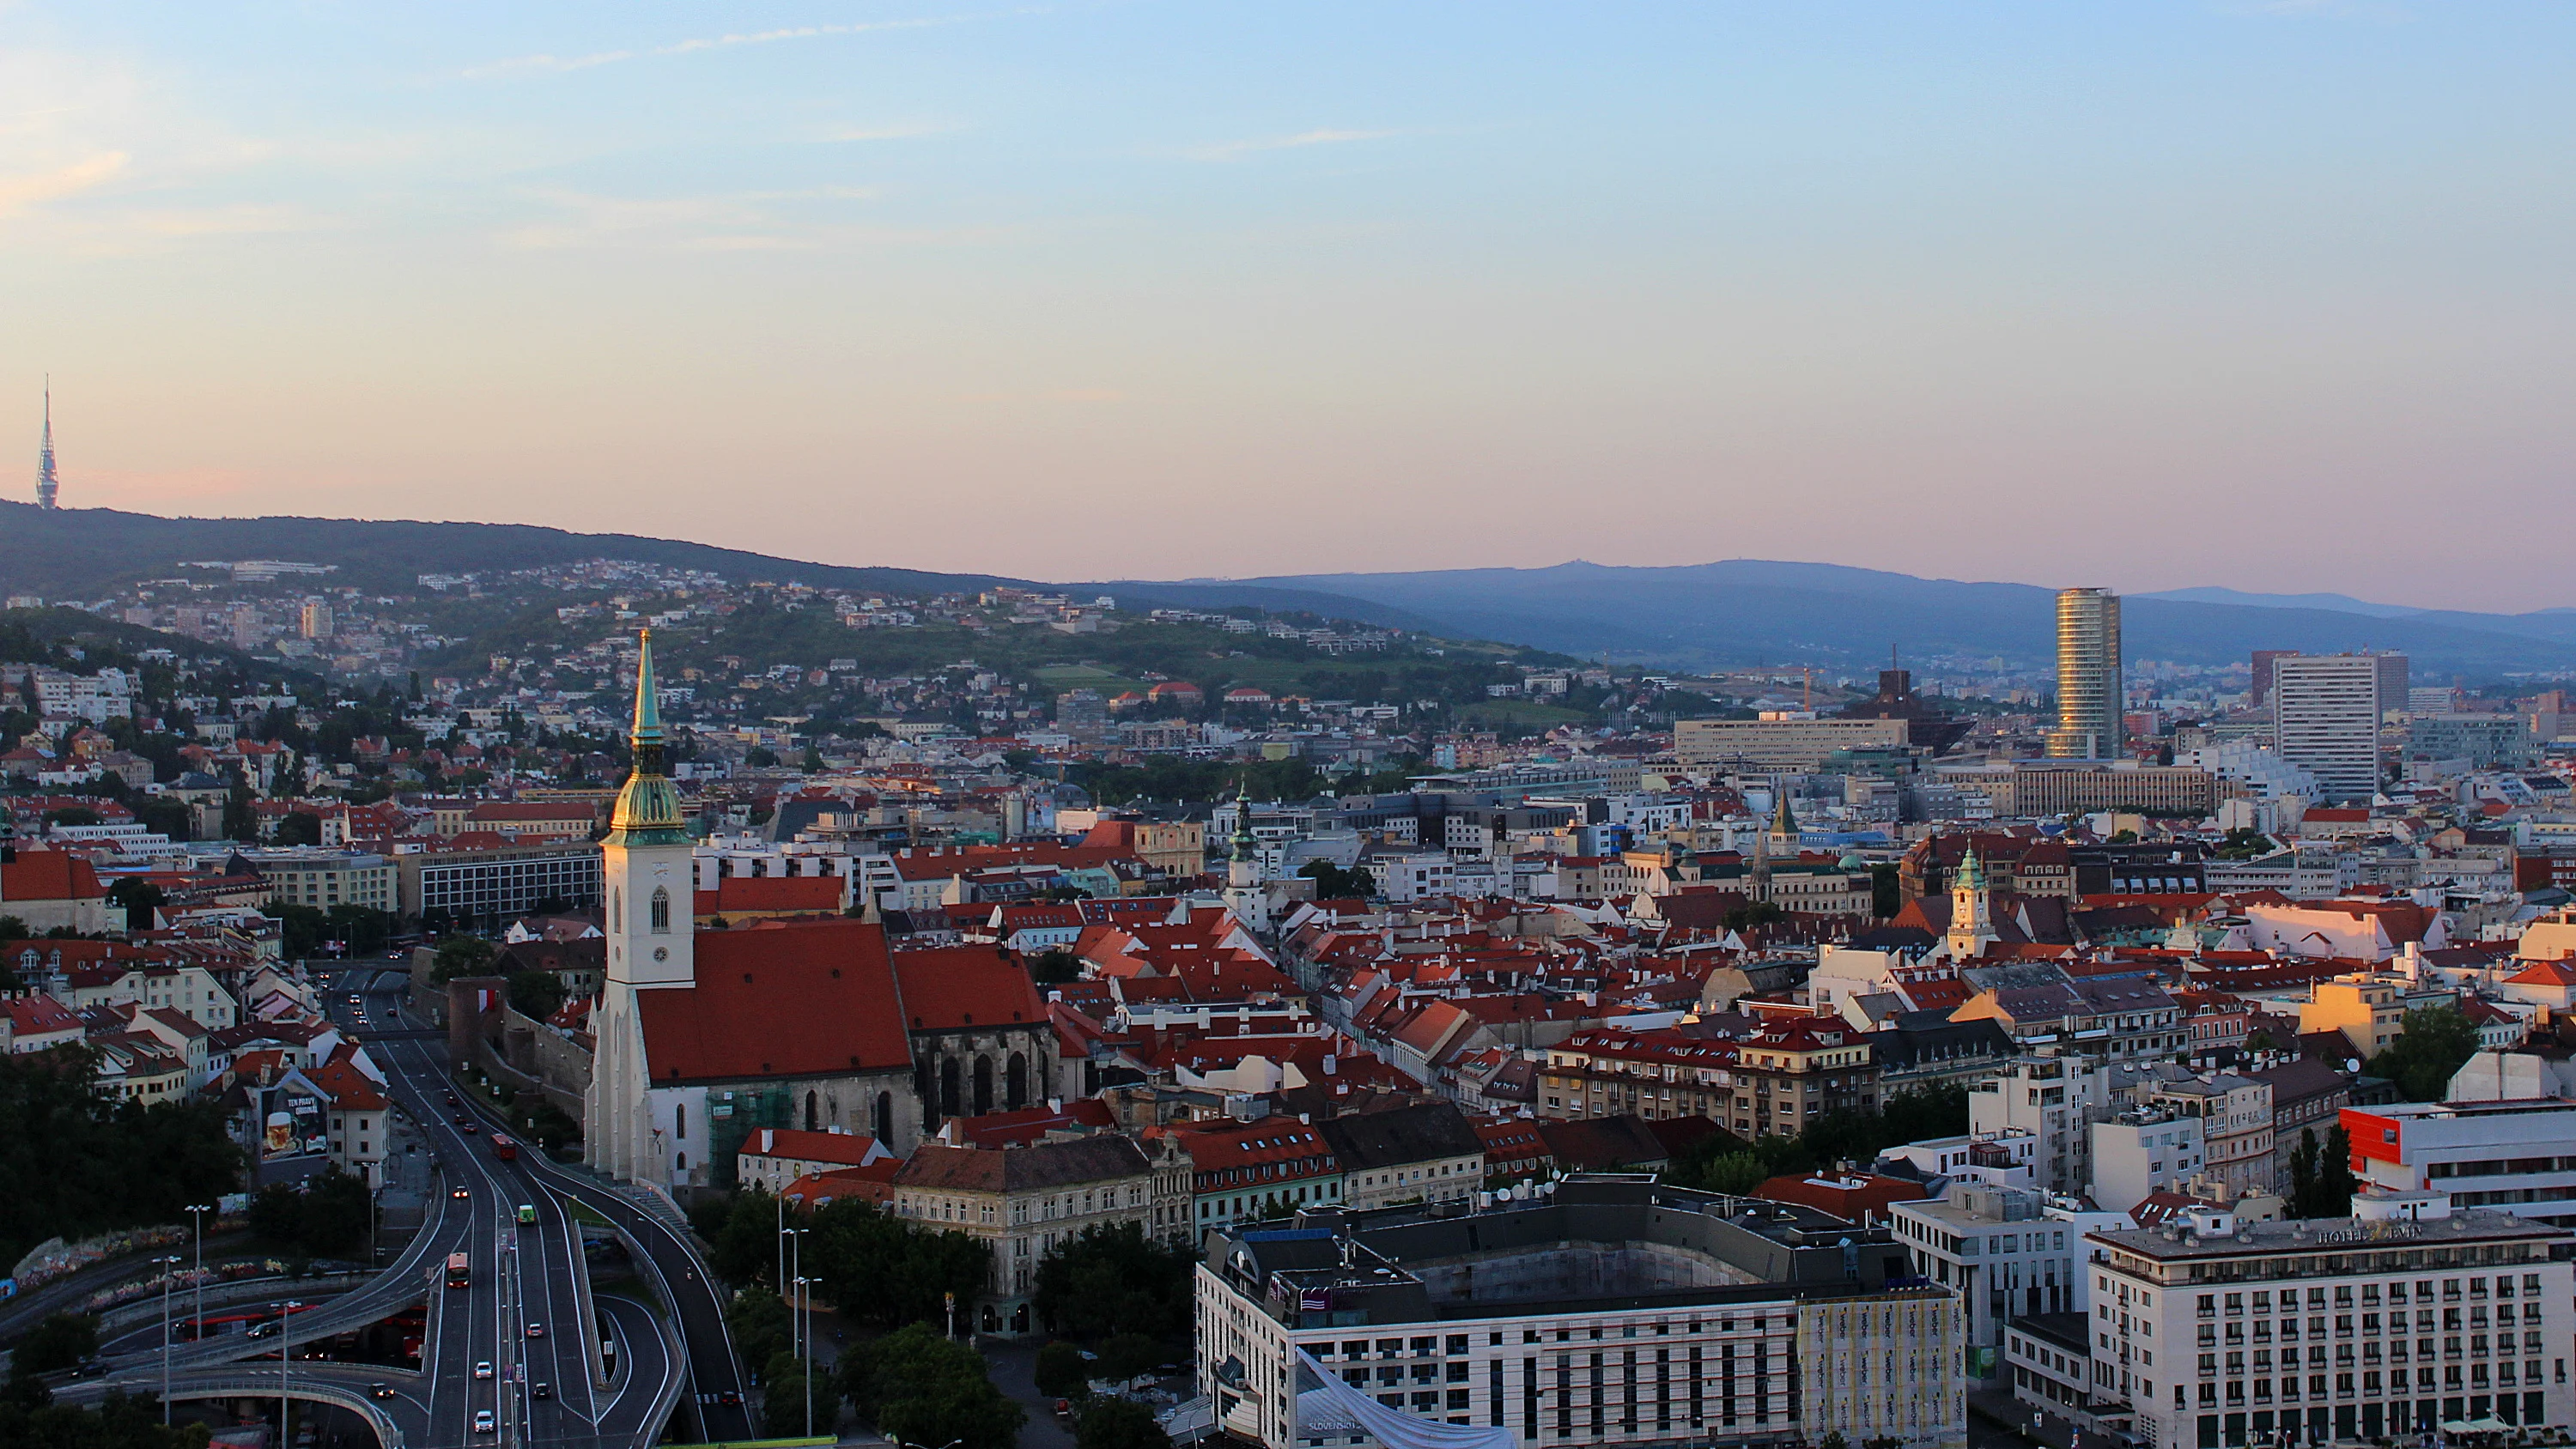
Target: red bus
<point x="459" y="1274"/>
<point x="503" y="1148"/>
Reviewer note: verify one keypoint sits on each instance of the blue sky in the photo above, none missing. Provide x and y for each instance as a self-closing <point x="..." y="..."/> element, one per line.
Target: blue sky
<point x="2271" y="296"/>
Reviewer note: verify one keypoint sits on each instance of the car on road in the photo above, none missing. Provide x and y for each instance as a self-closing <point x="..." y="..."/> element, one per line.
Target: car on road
<point x="730" y="1398"/>
<point x="460" y="1193"/>
<point x="470" y="1128"/>
<point x="483" y="1370"/>
<point x="541" y="1389"/>
<point x="380" y="1390"/>
<point x="536" y="1330"/>
<point x="483" y="1421"/>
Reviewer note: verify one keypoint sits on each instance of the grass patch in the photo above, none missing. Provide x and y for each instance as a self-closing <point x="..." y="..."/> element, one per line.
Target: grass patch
<point x="1519" y="711"/>
<point x="584" y="1213"/>
<point x="633" y="1289"/>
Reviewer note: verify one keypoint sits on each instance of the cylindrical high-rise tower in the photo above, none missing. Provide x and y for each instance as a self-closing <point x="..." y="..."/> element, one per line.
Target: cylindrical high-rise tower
<point x="2089" y="693"/>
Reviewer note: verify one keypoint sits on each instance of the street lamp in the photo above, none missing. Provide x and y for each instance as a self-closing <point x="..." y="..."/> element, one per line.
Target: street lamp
<point x="285" y="1405"/>
<point x="197" y="1217"/>
<point x="795" y="1266"/>
<point x="169" y="1270"/>
<point x="804" y="1309"/>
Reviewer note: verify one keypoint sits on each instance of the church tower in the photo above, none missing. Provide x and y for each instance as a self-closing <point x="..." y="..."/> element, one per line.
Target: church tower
<point x="1243" y="867"/>
<point x="648" y="882"/>
<point x="1972" y="910"/>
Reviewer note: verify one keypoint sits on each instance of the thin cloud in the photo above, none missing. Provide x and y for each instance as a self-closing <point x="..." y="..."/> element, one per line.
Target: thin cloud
<point x="556" y="65"/>
<point x="1236" y="150"/>
<point x="17" y="193"/>
<point x="884" y="133"/>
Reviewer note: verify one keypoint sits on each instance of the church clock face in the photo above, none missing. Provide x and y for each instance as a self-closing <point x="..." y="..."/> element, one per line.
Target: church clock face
<point x="661" y="953"/>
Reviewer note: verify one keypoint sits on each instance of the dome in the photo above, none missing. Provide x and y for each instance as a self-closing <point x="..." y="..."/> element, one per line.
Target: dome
<point x="1851" y="861"/>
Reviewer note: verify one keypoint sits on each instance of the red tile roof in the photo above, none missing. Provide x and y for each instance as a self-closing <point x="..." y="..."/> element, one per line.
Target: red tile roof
<point x="949" y="988"/>
<point x="818" y="894"/>
<point x="49" y="875"/>
<point x="779" y="999"/>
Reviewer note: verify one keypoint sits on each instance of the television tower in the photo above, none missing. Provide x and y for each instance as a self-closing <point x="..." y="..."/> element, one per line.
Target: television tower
<point x="47" y="484"/>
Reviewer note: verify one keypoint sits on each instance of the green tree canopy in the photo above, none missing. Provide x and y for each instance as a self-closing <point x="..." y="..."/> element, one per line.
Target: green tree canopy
<point x="880" y="1268"/>
<point x="920" y="1388"/>
<point x="1108" y="1280"/>
<point x="2436" y="1043"/>
<point x="1109" y="1422"/>
<point x="77" y="1164"/>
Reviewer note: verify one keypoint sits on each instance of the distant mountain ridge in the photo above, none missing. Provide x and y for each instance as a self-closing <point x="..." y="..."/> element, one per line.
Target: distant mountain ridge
<point x="1758" y="611"/>
<point x="1737" y="611"/>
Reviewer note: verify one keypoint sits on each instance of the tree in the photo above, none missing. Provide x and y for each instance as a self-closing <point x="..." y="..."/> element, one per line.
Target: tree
<point x="2321" y="1175"/>
<point x="1736" y="1174"/>
<point x="121" y="1421"/>
<point x="786" y="1405"/>
<point x="328" y="1215"/>
<point x="759" y="1320"/>
<point x="536" y="993"/>
<point x="1109" y="1422"/>
<point x="301" y="827"/>
<point x="139" y="898"/>
<point x="760" y="757"/>
<point x="460" y="956"/>
<point x="1055" y="966"/>
<point x="1886" y="894"/>
<point x="918" y="1387"/>
<point x="78" y="1164"/>
<point x="1105" y="1280"/>
<point x="742" y="1229"/>
<point x="2436" y="1042"/>
<point x="60" y="1341"/>
<point x="1332" y="883"/>
<point x="883" y="1269"/>
<point x="1062" y="1372"/>
<point x="1126" y="1355"/>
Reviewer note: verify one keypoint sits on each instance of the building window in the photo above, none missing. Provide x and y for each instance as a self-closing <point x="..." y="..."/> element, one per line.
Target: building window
<point x="661" y="911"/>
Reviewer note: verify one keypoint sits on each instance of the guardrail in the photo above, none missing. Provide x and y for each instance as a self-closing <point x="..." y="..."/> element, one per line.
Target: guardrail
<point x="183" y="1300"/>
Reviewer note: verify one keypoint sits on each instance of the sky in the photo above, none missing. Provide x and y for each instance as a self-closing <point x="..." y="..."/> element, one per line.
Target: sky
<point x="2269" y="296"/>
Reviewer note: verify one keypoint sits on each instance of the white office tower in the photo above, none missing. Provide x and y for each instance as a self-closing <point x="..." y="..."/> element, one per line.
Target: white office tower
<point x="2325" y="720"/>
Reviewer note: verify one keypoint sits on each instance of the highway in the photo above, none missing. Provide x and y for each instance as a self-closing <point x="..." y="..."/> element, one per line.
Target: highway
<point x="521" y="1275"/>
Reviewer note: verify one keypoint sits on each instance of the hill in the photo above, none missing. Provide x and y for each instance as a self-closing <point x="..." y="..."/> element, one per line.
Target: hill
<point x="1739" y="611"/>
<point x="76" y="552"/>
<point x="1756" y="611"/>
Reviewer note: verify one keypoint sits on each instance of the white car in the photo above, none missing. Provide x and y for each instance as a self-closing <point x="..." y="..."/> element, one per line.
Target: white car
<point x="483" y="1370"/>
<point x="483" y="1421"/>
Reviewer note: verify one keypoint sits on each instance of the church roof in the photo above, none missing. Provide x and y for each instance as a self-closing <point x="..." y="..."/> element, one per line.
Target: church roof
<point x="780" y="999"/>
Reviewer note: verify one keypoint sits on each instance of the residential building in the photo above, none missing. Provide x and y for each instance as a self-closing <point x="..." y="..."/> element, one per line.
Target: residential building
<point x="2308" y="1098"/>
<point x="2369" y="1010"/>
<point x="2055" y="1096"/>
<point x="2325" y="720"/>
<point x="2090" y="696"/>
<point x="2517" y="1156"/>
<point x="1268" y="1167"/>
<point x="2005" y="1251"/>
<point x="1778" y="744"/>
<point x="493" y="883"/>
<point x="2235" y="1113"/>
<point x="2083" y="787"/>
<point x="772" y="1157"/>
<point x="2142" y="1152"/>
<point x="1775" y="1080"/>
<point x="1613" y="1312"/>
<point x="1023" y="1202"/>
<point x="322" y="879"/>
<point x="2485" y="741"/>
<point x="2408" y="1316"/>
<point x="1427" y="1152"/>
